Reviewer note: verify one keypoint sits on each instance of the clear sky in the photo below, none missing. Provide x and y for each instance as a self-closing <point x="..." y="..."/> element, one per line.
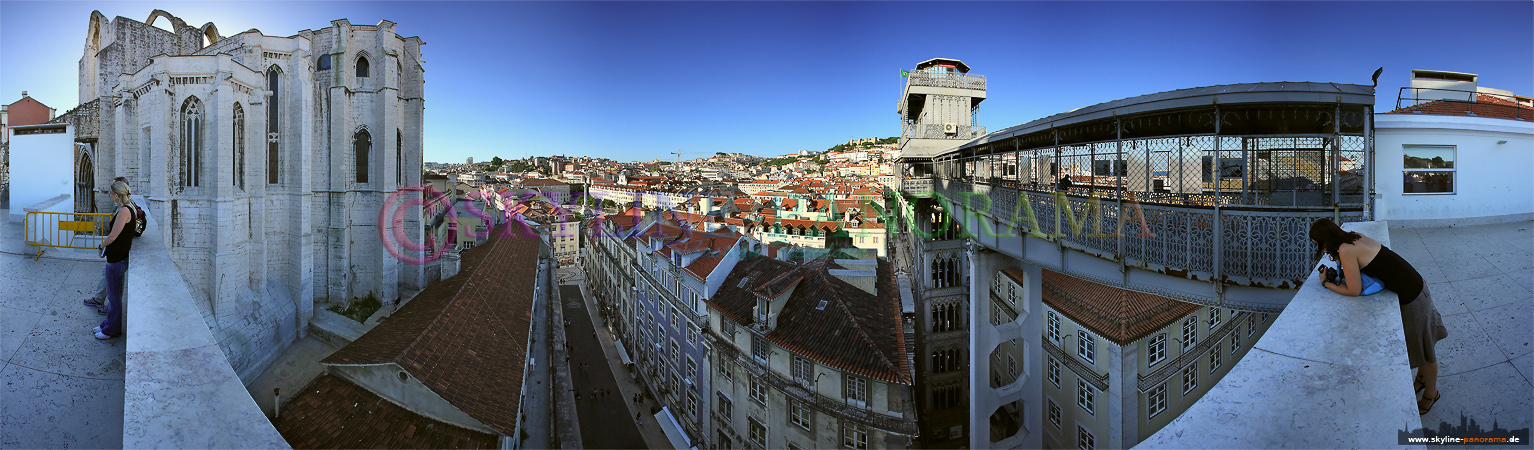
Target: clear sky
<point x="634" y="81"/>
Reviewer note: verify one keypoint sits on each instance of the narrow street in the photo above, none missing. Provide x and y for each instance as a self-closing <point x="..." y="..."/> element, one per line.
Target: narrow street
<point x="605" y="420"/>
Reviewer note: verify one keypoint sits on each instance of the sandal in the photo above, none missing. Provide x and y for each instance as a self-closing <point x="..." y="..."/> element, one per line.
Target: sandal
<point x="1421" y="385"/>
<point x="1431" y="402"/>
<point x="92" y="301"/>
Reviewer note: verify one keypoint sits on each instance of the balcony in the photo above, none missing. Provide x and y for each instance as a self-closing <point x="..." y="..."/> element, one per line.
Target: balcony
<point x="837" y="408"/>
<point x="945" y="80"/>
<point x="1205" y="195"/>
<point x="940" y="131"/>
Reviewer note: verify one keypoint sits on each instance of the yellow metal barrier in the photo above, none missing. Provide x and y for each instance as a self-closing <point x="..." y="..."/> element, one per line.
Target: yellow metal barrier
<point x="66" y="230"/>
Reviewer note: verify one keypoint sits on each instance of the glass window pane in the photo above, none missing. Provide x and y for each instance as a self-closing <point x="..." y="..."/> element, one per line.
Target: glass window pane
<point x="1427" y="182"/>
<point x="1429" y="157"/>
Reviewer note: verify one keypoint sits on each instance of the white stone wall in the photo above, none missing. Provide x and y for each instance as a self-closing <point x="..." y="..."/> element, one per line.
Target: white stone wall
<point x="259" y="257"/>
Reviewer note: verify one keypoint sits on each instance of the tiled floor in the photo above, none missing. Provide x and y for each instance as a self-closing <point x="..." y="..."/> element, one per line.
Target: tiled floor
<point x="62" y="387"/>
<point x="1480" y="279"/>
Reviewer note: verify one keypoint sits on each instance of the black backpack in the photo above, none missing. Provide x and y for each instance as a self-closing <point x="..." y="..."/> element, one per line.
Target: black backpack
<point x="140" y="221"/>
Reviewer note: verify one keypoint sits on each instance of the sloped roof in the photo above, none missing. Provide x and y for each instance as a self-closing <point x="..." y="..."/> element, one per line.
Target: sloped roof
<point x="333" y="413"/>
<point x="1484" y="106"/>
<point x="465" y="337"/>
<point x="857" y="332"/>
<point x="1119" y="315"/>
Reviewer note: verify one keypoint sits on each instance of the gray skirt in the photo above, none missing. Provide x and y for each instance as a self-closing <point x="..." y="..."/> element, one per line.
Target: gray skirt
<point x="1424" y="328"/>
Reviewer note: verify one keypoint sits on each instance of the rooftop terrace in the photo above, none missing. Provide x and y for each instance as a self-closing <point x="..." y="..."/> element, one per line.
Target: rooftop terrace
<point x="63" y="388"/>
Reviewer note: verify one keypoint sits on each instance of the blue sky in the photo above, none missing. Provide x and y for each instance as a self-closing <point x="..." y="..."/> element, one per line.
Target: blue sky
<point x="634" y="81"/>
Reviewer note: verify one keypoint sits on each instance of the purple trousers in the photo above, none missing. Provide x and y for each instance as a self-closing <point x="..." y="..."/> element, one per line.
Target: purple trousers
<point x="113" y="274"/>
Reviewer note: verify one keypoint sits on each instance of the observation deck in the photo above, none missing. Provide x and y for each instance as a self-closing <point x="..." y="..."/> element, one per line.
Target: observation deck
<point x="1205" y="195"/>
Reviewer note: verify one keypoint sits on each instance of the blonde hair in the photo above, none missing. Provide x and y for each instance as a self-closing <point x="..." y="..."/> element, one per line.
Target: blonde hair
<point x="122" y="195"/>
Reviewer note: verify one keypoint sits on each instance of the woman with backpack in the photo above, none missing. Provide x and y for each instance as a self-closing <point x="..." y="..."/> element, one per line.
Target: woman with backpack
<point x="126" y="224"/>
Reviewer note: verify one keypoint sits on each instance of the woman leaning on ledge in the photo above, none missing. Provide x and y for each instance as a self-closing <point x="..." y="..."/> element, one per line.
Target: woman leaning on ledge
<point x="1356" y="253"/>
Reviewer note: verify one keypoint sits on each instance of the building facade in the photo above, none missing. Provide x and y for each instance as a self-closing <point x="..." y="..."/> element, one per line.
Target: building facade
<point x="271" y="156"/>
<point x="936" y="109"/>
<point x="811" y="354"/>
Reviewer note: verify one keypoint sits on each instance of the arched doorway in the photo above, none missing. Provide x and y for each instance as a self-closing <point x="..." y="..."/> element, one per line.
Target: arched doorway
<point x="85" y="183"/>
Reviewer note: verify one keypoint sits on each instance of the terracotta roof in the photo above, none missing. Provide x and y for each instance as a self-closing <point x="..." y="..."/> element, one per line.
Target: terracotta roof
<point x="857" y="332"/>
<point x="333" y="413"/>
<point x="1119" y="315"/>
<point x="1484" y="106"/>
<point x="465" y="337"/>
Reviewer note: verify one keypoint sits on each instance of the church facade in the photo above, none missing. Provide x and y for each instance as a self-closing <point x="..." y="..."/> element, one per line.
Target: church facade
<point x="268" y="159"/>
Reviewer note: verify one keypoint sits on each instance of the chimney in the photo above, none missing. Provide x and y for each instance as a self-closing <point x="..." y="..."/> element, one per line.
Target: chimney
<point x="23" y="94"/>
<point x="708" y="205"/>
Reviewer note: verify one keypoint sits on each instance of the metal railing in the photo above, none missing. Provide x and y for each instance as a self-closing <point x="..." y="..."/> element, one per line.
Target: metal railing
<point x="948" y="80"/>
<point x="1081" y="369"/>
<point x="66" y="230"/>
<point x="1147" y="381"/>
<point x="939" y="131"/>
<point x="798" y="392"/>
<point x="1463" y="102"/>
<point x="1255" y="246"/>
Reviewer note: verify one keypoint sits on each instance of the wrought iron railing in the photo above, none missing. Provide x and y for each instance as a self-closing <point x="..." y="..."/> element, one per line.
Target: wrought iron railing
<point x="1082" y="370"/>
<point x="1150" y="380"/>
<point x="916" y="186"/>
<point x="865" y="416"/>
<point x="948" y="80"/>
<point x="1267" y="247"/>
<point x="940" y="131"/>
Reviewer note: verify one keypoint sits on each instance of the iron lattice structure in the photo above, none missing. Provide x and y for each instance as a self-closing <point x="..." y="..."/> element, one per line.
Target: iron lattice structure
<point x="1228" y="179"/>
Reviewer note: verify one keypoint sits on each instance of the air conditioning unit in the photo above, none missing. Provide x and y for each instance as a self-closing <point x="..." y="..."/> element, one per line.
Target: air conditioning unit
<point x="949" y="128"/>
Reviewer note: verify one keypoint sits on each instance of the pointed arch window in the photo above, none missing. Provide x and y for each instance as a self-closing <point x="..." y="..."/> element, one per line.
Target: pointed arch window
<point x="362" y="67"/>
<point x="273" y="117"/>
<point x="362" y="143"/>
<point x="239" y="146"/>
<point x="399" y="157"/>
<point x="191" y="141"/>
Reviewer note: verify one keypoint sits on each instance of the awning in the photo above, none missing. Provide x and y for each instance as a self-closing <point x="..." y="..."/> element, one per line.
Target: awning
<point x="622" y="354"/>
<point x="673" y="430"/>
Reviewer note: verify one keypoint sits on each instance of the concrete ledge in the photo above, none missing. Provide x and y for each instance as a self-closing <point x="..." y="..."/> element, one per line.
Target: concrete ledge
<point x="179" y="389"/>
<point x="1331" y="372"/>
<point x="335" y="329"/>
<point x="1461" y="221"/>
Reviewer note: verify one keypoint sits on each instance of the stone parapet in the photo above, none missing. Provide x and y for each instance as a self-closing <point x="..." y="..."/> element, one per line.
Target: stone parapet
<point x="177" y="380"/>
<point x="1331" y="372"/>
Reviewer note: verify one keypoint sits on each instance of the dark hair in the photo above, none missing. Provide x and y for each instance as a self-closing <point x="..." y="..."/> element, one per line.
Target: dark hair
<point x="1329" y="237"/>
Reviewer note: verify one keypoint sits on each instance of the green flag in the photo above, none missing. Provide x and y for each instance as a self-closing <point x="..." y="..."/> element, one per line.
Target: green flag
<point x="904" y="73"/>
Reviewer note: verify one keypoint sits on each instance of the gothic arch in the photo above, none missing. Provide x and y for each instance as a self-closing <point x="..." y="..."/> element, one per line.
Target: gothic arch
<point x="85" y="182"/>
<point x="191" y="123"/>
<point x="175" y="22"/>
<point x="361" y="66"/>
<point x="209" y="33"/>
<point x="362" y="147"/>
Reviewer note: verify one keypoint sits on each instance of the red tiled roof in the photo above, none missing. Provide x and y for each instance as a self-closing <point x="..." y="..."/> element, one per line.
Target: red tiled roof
<point x="857" y="332"/>
<point x="333" y="413"/>
<point x="1119" y="315"/>
<point x="465" y="337"/>
<point x="1484" y="106"/>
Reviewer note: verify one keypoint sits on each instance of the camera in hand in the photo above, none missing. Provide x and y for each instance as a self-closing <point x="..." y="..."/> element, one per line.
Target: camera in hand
<point x="1330" y="275"/>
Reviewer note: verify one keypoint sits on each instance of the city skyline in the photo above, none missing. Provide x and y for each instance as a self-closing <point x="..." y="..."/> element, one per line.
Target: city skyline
<point x="773" y="78"/>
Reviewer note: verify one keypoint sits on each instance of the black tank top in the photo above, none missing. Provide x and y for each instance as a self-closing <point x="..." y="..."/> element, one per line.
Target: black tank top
<point x="117" y="251"/>
<point x="1397" y="275"/>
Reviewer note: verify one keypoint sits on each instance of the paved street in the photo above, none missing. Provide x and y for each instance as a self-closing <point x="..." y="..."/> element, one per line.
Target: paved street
<point x="605" y="421"/>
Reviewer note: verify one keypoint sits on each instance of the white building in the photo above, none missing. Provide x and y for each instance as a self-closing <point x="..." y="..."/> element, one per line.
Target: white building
<point x="1454" y="153"/>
